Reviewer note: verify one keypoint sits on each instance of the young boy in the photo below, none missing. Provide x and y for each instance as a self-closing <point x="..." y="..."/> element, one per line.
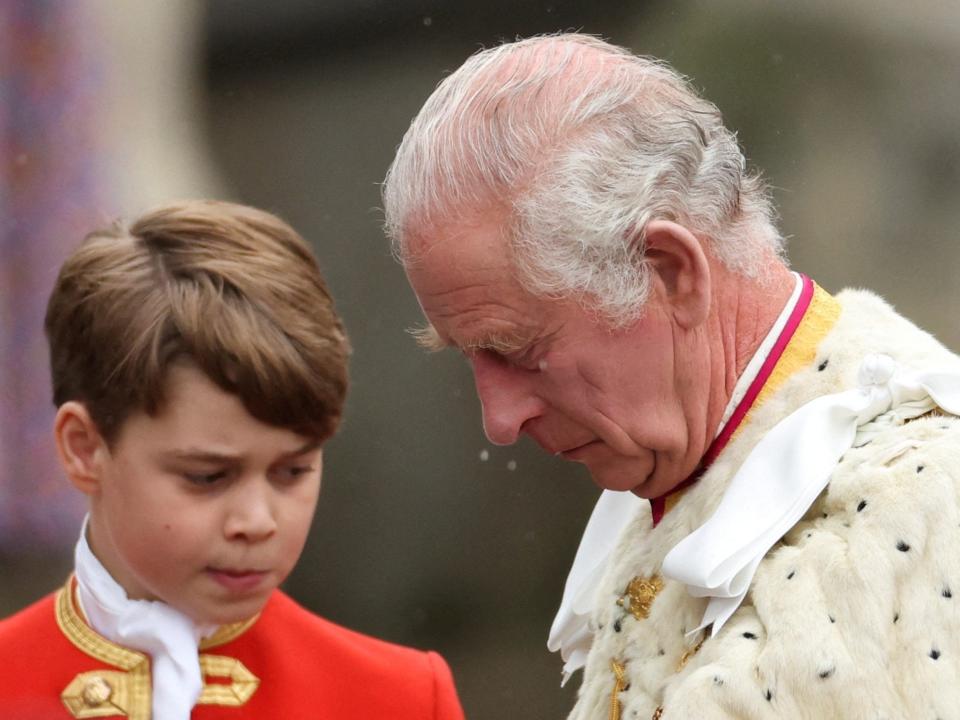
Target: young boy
<point x="198" y="367"/>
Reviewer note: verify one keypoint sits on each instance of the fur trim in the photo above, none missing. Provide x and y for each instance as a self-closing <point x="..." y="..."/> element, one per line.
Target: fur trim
<point x="851" y="615"/>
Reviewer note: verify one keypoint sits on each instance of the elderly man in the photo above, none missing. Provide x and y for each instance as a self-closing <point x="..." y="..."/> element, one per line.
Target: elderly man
<point x="579" y="223"/>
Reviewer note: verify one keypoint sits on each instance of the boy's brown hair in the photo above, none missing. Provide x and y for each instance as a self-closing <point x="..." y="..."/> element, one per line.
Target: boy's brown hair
<point x="232" y="289"/>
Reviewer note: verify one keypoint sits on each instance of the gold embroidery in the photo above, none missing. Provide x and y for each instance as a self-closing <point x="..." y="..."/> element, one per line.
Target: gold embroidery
<point x="226" y="633"/>
<point x="639" y="596"/>
<point x="100" y="693"/>
<point x="129" y="691"/>
<point x="689" y="653"/>
<point x="243" y="682"/>
<point x="618" y="672"/>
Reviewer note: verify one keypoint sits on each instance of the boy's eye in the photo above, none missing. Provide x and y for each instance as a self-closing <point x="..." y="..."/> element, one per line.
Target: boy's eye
<point x="293" y="472"/>
<point x="206" y="478"/>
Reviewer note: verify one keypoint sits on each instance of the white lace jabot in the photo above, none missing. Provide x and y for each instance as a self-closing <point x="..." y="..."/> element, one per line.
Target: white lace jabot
<point x="167" y="635"/>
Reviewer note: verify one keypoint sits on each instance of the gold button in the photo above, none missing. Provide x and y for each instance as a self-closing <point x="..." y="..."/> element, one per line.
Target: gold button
<point x="96" y="692"/>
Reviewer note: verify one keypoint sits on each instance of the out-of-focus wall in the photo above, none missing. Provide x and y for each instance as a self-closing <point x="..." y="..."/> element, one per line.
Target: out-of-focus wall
<point x="425" y="534"/>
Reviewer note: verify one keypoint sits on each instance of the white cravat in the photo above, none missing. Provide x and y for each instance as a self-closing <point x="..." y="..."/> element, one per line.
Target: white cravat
<point x="168" y="636"/>
<point x="570" y="632"/>
<point x="789" y="468"/>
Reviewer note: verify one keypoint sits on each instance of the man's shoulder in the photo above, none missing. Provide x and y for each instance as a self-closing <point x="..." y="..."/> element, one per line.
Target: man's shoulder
<point x="913" y="469"/>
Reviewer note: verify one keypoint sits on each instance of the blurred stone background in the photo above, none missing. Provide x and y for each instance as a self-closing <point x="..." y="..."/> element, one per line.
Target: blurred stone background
<point x="852" y="110"/>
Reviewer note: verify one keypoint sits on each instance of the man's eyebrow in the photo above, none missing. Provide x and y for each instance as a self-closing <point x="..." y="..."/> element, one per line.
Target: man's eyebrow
<point x="502" y="344"/>
<point x="428" y="338"/>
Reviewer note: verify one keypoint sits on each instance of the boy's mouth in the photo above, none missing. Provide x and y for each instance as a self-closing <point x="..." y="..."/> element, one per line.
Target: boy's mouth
<point x="238" y="581"/>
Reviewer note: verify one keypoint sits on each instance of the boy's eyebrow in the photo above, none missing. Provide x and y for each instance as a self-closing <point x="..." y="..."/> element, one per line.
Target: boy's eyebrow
<point x="213" y="456"/>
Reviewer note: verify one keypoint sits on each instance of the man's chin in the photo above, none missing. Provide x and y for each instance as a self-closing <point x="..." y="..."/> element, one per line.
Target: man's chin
<point x="621" y="482"/>
<point x="616" y="472"/>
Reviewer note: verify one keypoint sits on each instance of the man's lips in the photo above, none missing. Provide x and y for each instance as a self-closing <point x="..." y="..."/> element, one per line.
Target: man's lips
<point x="574" y="452"/>
<point x="238" y="581"/>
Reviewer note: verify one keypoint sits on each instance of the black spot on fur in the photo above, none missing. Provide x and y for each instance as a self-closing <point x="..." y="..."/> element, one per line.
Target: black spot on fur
<point x="946" y="593"/>
<point x="823" y="366"/>
<point x="790" y="576"/>
<point x="902" y="546"/>
<point x="616" y="626"/>
<point x="717" y="680"/>
<point x="832" y="618"/>
<point x="768" y="695"/>
<point x="896" y="618"/>
<point x="919" y="468"/>
<point x="749" y="636"/>
<point x="824" y="674"/>
<point x="861" y="506"/>
<point x="935" y="654"/>
<point x="661" y="651"/>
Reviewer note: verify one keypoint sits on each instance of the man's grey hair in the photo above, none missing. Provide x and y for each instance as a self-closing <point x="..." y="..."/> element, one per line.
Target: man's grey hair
<point x="577" y="144"/>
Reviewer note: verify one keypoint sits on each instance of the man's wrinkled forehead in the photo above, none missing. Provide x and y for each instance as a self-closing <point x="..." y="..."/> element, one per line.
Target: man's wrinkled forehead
<point x="463" y="230"/>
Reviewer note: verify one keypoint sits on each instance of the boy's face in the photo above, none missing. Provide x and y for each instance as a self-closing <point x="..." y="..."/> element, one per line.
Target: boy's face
<point x="203" y="506"/>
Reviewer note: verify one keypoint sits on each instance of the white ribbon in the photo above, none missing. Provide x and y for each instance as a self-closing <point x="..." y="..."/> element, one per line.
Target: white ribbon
<point x="788" y="469"/>
<point x="570" y="633"/>
<point x="167" y="635"/>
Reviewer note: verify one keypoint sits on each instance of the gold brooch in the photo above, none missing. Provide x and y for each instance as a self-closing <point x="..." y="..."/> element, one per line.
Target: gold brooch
<point x="639" y="596"/>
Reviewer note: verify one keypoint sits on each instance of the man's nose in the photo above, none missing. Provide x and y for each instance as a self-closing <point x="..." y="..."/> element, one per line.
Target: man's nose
<point x="506" y="398"/>
<point x="251" y="514"/>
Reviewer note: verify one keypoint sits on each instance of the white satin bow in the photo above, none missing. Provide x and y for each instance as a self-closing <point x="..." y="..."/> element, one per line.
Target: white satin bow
<point x="788" y="469"/>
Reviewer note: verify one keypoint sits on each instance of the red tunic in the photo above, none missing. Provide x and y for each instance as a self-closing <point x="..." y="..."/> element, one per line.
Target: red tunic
<point x="287" y="664"/>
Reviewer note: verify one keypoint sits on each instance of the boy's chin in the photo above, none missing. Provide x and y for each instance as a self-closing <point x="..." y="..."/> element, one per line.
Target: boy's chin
<point x="228" y="613"/>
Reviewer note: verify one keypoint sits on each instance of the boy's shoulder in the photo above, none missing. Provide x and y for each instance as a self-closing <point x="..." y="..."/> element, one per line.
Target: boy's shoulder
<point x="285" y="620"/>
<point x="289" y="646"/>
<point x="34" y="617"/>
<point x="37" y="662"/>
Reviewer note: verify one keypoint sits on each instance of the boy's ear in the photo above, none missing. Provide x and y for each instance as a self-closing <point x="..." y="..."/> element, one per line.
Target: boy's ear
<point x="80" y="446"/>
<point x="679" y="260"/>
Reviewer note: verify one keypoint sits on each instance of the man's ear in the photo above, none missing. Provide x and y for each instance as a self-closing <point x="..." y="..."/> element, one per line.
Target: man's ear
<point x="679" y="260"/>
<point x="80" y="446"/>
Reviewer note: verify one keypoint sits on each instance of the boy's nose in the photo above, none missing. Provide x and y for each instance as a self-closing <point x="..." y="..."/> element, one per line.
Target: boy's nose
<point x="251" y="516"/>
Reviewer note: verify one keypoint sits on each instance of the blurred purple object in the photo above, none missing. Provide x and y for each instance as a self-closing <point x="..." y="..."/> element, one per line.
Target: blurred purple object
<point x="49" y="91"/>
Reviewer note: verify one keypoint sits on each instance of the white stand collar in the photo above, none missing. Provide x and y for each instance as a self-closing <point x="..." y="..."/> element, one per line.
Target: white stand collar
<point x="570" y="633"/>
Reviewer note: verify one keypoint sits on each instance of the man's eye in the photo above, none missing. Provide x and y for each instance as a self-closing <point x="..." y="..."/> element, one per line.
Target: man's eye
<point x="525" y="360"/>
<point x="206" y="478"/>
